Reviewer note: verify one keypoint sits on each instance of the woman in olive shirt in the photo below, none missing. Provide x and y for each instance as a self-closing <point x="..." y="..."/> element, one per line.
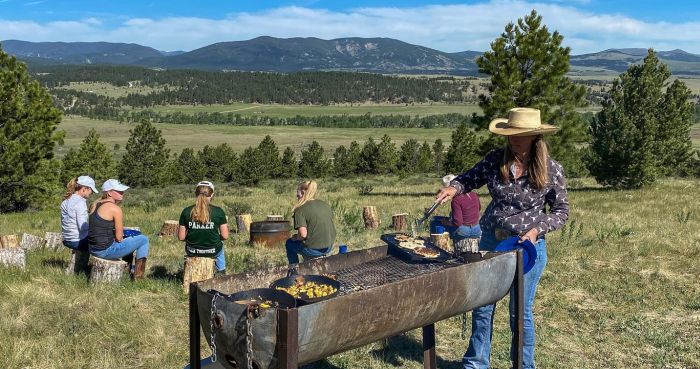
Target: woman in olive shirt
<point x="203" y="227"/>
<point x="313" y="219"/>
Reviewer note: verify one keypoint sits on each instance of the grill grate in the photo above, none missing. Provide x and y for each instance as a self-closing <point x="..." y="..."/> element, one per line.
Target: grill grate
<point x="385" y="270"/>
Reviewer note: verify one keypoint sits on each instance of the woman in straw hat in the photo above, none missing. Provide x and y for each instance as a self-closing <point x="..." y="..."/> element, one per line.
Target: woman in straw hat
<point x="522" y="178"/>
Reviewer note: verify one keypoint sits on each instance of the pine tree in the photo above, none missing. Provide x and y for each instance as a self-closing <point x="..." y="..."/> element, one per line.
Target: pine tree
<point x="354" y="158"/>
<point x="464" y="150"/>
<point x="289" y="165"/>
<point x="270" y="156"/>
<point x="408" y="156"/>
<point x="438" y="156"/>
<point x="92" y="158"/>
<point x="28" y="121"/>
<point x="312" y="163"/>
<point x="368" y="157"/>
<point x="249" y="170"/>
<point x="189" y="168"/>
<point x="528" y="67"/>
<point x="387" y="157"/>
<point x="340" y="159"/>
<point x="642" y="132"/>
<point x="144" y="163"/>
<point x="220" y="162"/>
<point x="424" y="164"/>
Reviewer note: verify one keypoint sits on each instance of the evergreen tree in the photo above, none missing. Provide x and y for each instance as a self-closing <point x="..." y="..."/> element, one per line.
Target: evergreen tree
<point x="92" y="158"/>
<point x="368" y="157"/>
<point x="219" y="162"/>
<point x="145" y="160"/>
<point x="189" y="168"/>
<point x="408" y="156"/>
<point x="642" y="132"/>
<point x="387" y="157"/>
<point x="270" y="156"/>
<point x="464" y="150"/>
<point x="312" y="163"/>
<point x="354" y="158"/>
<point x="340" y="158"/>
<point x="249" y="170"/>
<point x="438" y="156"/>
<point x="28" y="121"/>
<point x="528" y="67"/>
<point x="424" y="163"/>
<point x="289" y="164"/>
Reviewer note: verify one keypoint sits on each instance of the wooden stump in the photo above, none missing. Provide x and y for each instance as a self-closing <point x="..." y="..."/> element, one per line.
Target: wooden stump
<point x="371" y="217"/>
<point x="9" y="241"/>
<point x="399" y="222"/>
<point x="466" y="245"/>
<point x="441" y="240"/>
<point x="13" y="257"/>
<point x="243" y="223"/>
<point x="31" y="242"/>
<point x="53" y="240"/>
<point x="79" y="262"/>
<point x="169" y="228"/>
<point x="106" y="271"/>
<point x="275" y="218"/>
<point x="196" y="269"/>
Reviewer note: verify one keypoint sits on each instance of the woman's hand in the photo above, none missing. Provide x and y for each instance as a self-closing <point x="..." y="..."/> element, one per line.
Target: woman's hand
<point x="531" y="235"/>
<point x="445" y="194"/>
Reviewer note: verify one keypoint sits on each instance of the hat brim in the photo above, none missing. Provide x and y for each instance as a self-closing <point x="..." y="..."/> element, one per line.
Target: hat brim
<point x="500" y="126"/>
<point x="120" y="188"/>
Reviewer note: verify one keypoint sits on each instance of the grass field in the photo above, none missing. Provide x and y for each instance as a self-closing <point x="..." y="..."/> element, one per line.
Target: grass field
<point x="620" y="289"/>
<point x="110" y="90"/>
<point x="179" y="136"/>
<point x="695" y="135"/>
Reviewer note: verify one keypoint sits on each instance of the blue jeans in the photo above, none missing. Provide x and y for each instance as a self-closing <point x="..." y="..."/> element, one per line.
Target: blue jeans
<point x="118" y="250"/>
<point x="464" y="231"/>
<point x="220" y="261"/>
<point x="296" y="248"/>
<point x="81" y="245"/>
<point x="479" y="351"/>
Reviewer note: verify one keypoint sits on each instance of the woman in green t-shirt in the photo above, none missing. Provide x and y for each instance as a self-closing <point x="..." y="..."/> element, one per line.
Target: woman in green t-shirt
<point x="313" y="220"/>
<point x="203" y="227"/>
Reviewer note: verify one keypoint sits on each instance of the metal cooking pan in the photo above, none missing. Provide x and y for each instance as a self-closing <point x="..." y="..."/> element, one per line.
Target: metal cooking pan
<point x="318" y="279"/>
<point x="279" y="299"/>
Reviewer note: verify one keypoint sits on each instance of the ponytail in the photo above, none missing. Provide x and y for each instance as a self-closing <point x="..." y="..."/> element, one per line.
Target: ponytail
<point x="200" y="211"/>
<point x="72" y="187"/>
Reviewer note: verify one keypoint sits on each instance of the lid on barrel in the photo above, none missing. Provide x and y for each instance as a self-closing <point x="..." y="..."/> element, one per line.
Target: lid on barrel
<point x="269" y="226"/>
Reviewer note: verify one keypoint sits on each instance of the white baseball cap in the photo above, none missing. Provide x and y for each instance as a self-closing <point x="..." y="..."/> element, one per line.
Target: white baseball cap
<point x="87" y="181"/>
<point x="113" y="184"/>
<point x="207" y="184"/>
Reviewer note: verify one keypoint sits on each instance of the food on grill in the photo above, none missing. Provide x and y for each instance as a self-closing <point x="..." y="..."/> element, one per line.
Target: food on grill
<point x="426" y="252"/>
<point x="309" y="290"/>
<point x="259" y="301"/>
<point x="412" y="244"/>
<point x="402" y="237"/>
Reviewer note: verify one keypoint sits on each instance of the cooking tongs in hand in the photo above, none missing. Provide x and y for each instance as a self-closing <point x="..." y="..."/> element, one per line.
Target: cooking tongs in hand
<point x="426" y="215"/>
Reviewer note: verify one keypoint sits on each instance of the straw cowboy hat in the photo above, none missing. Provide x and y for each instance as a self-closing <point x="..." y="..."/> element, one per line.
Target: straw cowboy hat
<point x="521" y="122"/>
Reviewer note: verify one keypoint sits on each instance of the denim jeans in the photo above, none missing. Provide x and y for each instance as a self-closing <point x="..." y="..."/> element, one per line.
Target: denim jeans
<point x="464" y="231"/>
<point x="220" y="261"/>
<point x="479" y="351"/>
<point x="296" y="248"/>
<point x="81" y="245"/>
<point x="118" y="250"/>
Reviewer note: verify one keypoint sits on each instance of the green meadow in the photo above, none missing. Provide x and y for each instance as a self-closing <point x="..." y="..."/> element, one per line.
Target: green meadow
<point x="620" y="289"/>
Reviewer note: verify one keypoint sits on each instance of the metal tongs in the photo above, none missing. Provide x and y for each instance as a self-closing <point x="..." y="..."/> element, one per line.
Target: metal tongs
<point x="426" y="215"/>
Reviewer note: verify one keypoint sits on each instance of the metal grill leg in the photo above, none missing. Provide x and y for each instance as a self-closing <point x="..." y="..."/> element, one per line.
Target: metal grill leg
<point x="429" y="357"/>
<point x="288" y="338"/>
<point x="519" y="311"/>
<point x="195" y="336"/>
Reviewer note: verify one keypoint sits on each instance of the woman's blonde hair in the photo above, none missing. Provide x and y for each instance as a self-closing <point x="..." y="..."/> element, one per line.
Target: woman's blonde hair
<point x="537" y="168"/>
<point x="93" y="206"/>
<point x="72" y="187"/>
<point x="200" y="211"/>
<point x="308" y="193"/>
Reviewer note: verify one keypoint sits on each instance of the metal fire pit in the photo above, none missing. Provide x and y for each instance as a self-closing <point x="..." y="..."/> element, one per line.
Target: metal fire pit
<point x="380" y="296"/>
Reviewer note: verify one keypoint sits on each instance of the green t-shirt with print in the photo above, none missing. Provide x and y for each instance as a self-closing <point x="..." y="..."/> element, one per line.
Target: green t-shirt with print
<point x="317" y="217"/>
<point x="203" y="239"/>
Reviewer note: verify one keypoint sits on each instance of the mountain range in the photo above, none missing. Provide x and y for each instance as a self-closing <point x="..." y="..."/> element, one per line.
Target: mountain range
<point x="380" y="55"/>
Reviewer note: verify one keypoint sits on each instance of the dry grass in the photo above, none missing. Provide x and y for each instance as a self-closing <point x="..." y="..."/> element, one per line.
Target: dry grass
<point x="620" y="293"/>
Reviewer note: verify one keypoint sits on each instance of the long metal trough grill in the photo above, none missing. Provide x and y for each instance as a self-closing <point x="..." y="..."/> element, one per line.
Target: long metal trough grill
<point x="380" y="296"/>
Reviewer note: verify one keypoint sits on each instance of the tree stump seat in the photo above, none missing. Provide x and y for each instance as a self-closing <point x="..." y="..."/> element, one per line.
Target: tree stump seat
<point x="106" y="271"/>
<point x="196" y="269"/>
<point x="370" y="217"/>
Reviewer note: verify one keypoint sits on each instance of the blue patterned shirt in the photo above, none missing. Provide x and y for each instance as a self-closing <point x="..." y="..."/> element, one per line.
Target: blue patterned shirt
<point x="517" y="206"/>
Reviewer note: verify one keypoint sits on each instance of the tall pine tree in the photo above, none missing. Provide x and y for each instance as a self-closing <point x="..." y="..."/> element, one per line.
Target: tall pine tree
<point x="464" y="150"/>
<point x="528" y="67"/>
<point x="28" y="121"/>
<point x="270" y="158"/>
<point x="289" y="165"/>
<point x="438" y="156"/>
<point x="91" y="158"/>
<point x="642" y="132"/>
<point x="312" y="163"/>
<point x="144" y="163"/>
<point x="387" y="156"/>
<point x="424" y="164"/>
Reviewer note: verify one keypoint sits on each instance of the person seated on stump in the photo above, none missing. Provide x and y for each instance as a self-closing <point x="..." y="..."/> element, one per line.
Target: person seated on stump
<point x="106" y="231"/>
<point x="313" y="220"/>
<point x="203" y="227"/>
<point x="74" y="213"/>
<point x="463" y="223"/>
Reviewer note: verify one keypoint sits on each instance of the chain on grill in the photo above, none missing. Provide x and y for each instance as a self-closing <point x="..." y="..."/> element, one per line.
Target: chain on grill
<point x="384" y="270"/>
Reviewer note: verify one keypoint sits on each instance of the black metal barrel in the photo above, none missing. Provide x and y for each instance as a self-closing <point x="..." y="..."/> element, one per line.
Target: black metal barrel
<point x="270" y="233"/>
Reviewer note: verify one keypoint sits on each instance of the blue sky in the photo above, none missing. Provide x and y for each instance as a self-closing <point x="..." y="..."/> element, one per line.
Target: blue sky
<point x="447" y="25"/>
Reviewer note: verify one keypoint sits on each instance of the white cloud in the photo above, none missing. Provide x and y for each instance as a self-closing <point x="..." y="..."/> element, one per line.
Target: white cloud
<point x="443" y="27"/>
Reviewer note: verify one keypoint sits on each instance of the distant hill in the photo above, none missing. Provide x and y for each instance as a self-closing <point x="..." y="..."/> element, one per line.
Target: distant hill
<point x="380" y="55"/>
<point x="79" y="52"/>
